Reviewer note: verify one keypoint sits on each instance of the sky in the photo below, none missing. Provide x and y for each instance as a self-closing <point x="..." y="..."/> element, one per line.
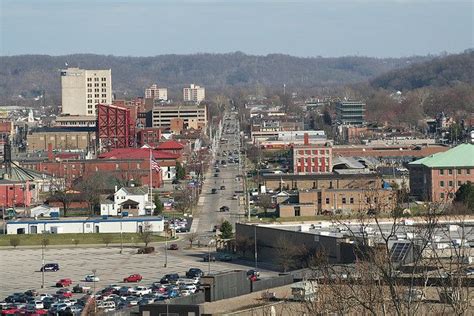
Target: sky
<point x="306" y="28"/>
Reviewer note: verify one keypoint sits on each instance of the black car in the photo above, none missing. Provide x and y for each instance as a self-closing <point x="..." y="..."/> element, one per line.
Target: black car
<point x="214" y="191"/>
<point x="224" y="209"/>
<point x="207" y="258"/>
<point x="169" y="278"/>
<point x="175" y="181"/>
<point x="224" y="257"/>
<point x="194" y="273"/>
<point x="50" y="267"/>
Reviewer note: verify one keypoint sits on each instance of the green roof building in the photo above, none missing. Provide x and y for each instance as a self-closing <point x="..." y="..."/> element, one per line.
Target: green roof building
<point x="436" y="178"/>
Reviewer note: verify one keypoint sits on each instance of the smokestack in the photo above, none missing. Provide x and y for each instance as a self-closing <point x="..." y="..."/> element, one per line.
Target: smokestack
<point x="306" y="139"/>
<point x="50" y="152"/>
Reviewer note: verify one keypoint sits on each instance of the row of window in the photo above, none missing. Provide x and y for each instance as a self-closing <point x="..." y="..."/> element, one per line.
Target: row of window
<point x="97" y="79"/>
<point x="450" y="183"/>
<point x="451" y="171"/>
<point x="96" y="85"/>
<point x="96" y="101"/>
<point x="97" y="95"/>
<point x="97" y="90"/>
<point x="315" y="152"/>
<point x="442" y="195"/>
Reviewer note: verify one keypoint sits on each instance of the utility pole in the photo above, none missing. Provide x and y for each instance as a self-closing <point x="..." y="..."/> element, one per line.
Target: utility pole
<point x="42" y="267"/>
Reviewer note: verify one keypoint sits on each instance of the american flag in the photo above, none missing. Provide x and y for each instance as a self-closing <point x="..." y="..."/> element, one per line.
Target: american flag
<point x="155" y="165"/>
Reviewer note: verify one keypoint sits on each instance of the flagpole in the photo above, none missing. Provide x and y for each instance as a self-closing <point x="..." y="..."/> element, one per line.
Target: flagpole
<point x="151" y="184"/>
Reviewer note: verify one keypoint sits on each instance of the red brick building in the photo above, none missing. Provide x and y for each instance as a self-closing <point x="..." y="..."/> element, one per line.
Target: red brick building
<point x="15" y="193"/>
<point x="148" y="136"/>
<point x="312" y="158"/>
<point x="437" y="178"/>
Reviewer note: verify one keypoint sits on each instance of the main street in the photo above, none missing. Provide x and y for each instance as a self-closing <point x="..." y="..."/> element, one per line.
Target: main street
<point x="208" y="214"/>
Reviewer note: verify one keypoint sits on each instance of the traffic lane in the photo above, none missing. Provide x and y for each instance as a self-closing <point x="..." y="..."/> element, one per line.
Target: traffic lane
<point x="110" y="266"/>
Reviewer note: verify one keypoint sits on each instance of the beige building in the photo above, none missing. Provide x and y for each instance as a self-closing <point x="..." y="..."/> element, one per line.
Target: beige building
<point x="334" y="201"/>
<point x="78" y="138"/>
<point x="194" y="116"/>
<point x="75" y="121"/>
<point x="194" y="93"/>
<point x="155" y="92"/>
<point x="82" y="90"/>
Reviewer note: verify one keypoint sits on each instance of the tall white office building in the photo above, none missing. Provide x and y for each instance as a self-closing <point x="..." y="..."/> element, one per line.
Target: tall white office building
<point x="194" y="93"/>
<point x="155" y="92"/>
<point x="83" y="89"/>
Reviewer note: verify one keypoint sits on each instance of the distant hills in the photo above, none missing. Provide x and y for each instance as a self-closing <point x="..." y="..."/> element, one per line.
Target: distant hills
<point x="441" y="71"/>
<point x="29" y="75"/>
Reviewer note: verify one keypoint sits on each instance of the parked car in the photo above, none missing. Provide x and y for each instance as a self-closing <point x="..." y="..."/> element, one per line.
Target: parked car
<point x="81" y="288"/>
<point x="64" y="293"/>
<point x="169" y="278"/>
<point x="207" y="258"/>
<point x="194" y="272"/>
<point x="91" y="278"/>
<point x="224" y="257"/>
<point x="214" y="191"/>
<point x="133" y="278"/>
<point x="173" y="247"/>
<point x="31" y="293"/>
<point x="140" y="290"/>
<point x="224" y="209"/>
<point x="50" y="267"/>
<point x="253" y="272"/>
<point x="222" y="187"/>
<point x="64" y="283"/>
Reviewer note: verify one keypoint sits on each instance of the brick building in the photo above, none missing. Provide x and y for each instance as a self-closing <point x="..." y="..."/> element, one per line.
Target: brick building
<point x="321" y="201"/>
<point x="62" y="138"/>
<point x="148" y="136"/>
<point x="436" y="178"/>
<point x="278" y="182"/>
<point x="312" y="158"/>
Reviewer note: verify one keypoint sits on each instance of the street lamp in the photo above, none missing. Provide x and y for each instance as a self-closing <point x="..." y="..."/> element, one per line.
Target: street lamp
<point x="121" y="232"/>
<point x="209" y="255"/>
<point x="255" y="238"/>
<point x="42" y="267"/>
<point x="166" y="248"/>
<point x="93" y="293"/>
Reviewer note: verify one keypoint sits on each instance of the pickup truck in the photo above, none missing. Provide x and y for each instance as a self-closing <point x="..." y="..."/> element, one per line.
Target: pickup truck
<point x="64" y="283"/>
<point x="81" y="288"/>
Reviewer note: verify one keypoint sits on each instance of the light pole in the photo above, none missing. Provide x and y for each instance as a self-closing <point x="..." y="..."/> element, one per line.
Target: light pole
<point x="255" y="238"/>
<point x="93" y="293"/>
<point x="121" y="232"/>
<point x="42" y="266"/>
<point x="209" y="256"/>
<point x="166" y="248"/>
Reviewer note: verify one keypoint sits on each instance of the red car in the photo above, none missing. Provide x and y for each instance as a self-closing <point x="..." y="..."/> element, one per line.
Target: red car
<point x="11" y="311"/>
<point x="64" y="293"/>
<point x="64" y="283"/>
<point x="133" y="278"/>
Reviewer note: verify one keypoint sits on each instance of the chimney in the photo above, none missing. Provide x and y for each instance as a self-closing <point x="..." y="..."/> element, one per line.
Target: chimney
<point x="306" y="139"/>
<point x="50" y="152"/>
<point x="116" y="188"/>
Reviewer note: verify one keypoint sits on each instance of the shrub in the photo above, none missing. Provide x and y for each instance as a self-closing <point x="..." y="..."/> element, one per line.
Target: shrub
<point x="107" y="239"/>
<point x="15" y="241"/>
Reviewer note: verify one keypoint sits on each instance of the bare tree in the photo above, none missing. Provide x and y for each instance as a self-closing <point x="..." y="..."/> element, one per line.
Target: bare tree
<point x="184" y="200"/>
<point x="192" y="237"/>
<point x="244" y="244"/>
<point x="286" y="253"/>
<point x="265" y="202"/>
<point x="146" y="233"/>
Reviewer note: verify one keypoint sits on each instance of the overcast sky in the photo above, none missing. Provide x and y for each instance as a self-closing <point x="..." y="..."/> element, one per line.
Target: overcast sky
<point x="380" y="28"/>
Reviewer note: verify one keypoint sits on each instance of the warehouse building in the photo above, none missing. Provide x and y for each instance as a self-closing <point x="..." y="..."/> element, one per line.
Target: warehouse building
<point x="85" y="226"/>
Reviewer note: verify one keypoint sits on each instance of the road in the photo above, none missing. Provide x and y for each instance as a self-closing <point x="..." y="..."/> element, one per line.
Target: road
<point x="208" y="213"/>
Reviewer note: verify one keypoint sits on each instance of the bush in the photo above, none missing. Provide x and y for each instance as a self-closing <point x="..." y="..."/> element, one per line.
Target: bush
<point x="107" y="239"/>
<point x="15" y="241"/>
<point x="146" y="250"/>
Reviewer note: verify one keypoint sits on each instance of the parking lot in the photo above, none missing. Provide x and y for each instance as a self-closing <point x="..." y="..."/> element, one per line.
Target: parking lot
<point x="20" y="267"/>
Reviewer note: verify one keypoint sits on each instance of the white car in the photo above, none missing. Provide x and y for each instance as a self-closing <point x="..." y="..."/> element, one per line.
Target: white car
<point x="185" y="292"/>
<point x="183" y="281"/>
<point x="91" y="278"/>
<point x="189" y="287"/>
<point x="43" y="296"/>
<point x="140" y="290"/>
<point x="38" y="304"/>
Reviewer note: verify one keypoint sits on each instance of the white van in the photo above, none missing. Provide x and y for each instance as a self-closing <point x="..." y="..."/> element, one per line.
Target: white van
<point x="106" y="305"/>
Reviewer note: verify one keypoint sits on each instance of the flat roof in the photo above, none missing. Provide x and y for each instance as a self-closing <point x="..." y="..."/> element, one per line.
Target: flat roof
<point x="87" y="220"/>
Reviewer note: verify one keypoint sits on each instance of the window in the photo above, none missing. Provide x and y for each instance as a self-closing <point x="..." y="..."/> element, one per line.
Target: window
<point x="450" y="183"/>
<point x="450" y="171"/>
<point x="104" y="79"/>
<point x="297" y="211"/>
<point x="89" y="95"/>
<point x="468" y="171"/>
<point x="96" y="79"/>
<point x="441" y="184"/>
<point x="89" y="106"/>
<point x="459" y="171"/>
<point x="89" y="84"/>
<point x="351" y="200"/>
<point x="89" y="79"/>
<point x="459" y="183"/>
<point x="89" y="90"/>
<point x="104" y="101"/>
<point x="104" y="95"/>
<point x="327" y="200"/>
<point x="96" y="84"/>
<point x="441" y="195"/>
<point x="104" y="85"/>
<point x="89" y="101"/>
<point x="96" y="90"/>
<point x="441" y="172"/>
<point x="96" y="95"/>
<point x="104" y="90"/>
